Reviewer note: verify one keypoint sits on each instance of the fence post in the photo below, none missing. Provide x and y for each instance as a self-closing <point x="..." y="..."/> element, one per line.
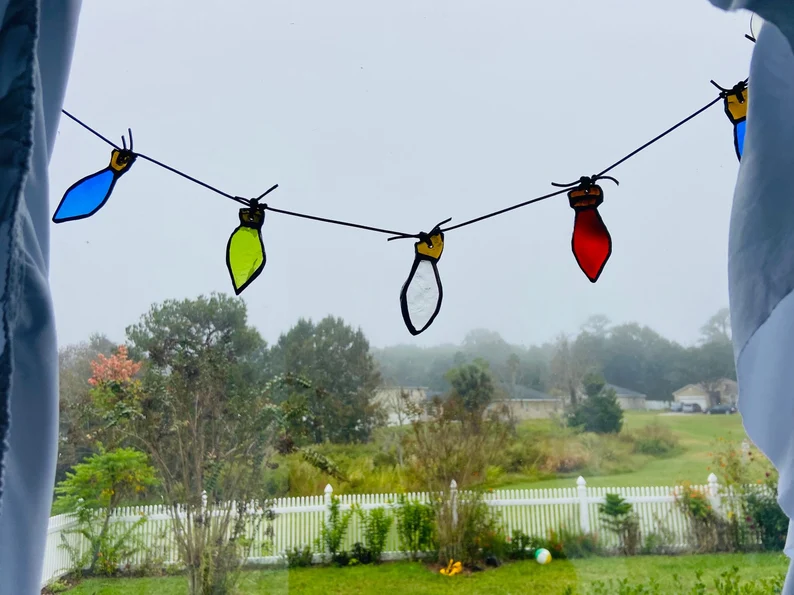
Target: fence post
<point x="328" y="492"/>
<point x="203" y="503"/>
<point x="584" y="509"/>
<point x="453" y="501"/>
<point x="714" y="492"/>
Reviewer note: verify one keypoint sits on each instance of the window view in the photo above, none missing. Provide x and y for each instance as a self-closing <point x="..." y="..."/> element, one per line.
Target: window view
<point x="284" y="402"/>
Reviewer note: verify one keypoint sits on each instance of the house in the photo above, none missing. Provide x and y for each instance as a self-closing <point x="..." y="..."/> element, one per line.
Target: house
<point x="724" y="391"/>
<point x="522" y="402"/>
<point x="400" y="403"/>
<point x="628" y="399"/>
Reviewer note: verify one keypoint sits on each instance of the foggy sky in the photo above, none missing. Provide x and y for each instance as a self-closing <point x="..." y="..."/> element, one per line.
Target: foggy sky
<point x="400" y="115"/>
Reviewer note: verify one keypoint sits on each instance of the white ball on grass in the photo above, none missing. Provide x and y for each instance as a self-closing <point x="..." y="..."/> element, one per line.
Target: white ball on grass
<point x="542" y="556"/>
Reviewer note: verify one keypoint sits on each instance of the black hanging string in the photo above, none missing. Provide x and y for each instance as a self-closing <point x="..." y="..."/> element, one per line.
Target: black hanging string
<point x="239" y="199"/>
<point x="400" y="235"/>
<point x="596" y="176"/>
<point x="662" y="135"/>
<point x="502" y="211"/>
<point x="337" y="222"/>
<point x="92" y="131"/>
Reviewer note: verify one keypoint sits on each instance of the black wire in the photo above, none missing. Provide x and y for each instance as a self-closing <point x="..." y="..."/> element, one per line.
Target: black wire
<point x="662" y="135"/>
<point x="388" y="231"/>
<point x="505" y="210"/>
<point x="91" y="130"/>
<point x="338" y="222"/>
<point x="192" y="179"/>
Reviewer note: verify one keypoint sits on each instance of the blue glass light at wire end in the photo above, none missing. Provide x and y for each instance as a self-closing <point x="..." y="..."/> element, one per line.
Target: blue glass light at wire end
<point x="739" y="137"/>
<point x="87" y="196"/>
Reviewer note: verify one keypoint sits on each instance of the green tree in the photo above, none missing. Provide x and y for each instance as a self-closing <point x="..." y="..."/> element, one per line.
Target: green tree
<point x="717" y="328"/>
<point x="209" y="422"/>
<point x="95" y="489"/>
<point x="600" y="412"/>
<point x="472" y="385"/>
<point x="337" y="361"/>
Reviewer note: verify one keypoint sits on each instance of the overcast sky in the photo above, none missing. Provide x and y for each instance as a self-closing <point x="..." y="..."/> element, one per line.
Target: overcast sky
<point x="400" y="115"/>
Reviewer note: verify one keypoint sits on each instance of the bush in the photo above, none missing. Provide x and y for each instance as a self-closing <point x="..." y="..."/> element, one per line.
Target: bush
<point x="299" y="558"/>
<point x="600" y="412"/>
<point x="415" y="527"/>
<point x="566" y="543"/>
<point x="377" y="523"/>
<point x="618" y="516"/>
<point x="655" y="440"/>
<point x="333" y="531"/>
<point x="519" y="546"/>
<point x="766" y="516"/>
<point x="476" y="535"/>
<point x="708" y="531"/>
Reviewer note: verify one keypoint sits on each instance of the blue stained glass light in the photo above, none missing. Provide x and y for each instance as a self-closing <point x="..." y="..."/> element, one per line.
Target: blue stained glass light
<point x="739" y="132"/>
<point x="87" y="196"/>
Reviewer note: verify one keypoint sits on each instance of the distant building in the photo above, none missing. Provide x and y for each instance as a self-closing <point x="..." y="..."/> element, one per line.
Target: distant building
<point x="724" y="392"/>
<point x="400" y="403"/>
<point x="522" y="402"/>
<point x="629" y="399"/>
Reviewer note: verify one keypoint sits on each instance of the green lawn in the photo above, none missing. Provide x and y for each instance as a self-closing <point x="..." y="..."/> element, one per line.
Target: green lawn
<point x="517" y="578"/>
<point x="697" y="434"/>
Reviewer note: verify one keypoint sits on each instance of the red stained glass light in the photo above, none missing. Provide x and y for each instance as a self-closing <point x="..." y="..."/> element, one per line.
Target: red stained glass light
<point x="591" y="242"/>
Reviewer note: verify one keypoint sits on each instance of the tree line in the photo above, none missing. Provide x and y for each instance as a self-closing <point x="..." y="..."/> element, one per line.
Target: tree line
<point x="629" y="355"/>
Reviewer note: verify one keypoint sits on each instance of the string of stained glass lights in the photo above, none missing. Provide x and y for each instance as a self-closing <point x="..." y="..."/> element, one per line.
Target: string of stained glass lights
<point x="422" y="293"/>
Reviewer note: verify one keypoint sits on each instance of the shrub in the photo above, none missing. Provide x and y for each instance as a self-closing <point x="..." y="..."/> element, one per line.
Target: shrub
<point x="708" y="531"/>
<point x="618" y="516"/>
<point x="299" y="558"/>
<point x="333" y="531"/>
<point x="415" y="526"/>
<point x="566" y="543"/>
<point x="519" y="546"/>
<point x="766" y="516"/>
<point x="475" y="536"/>
<point x="655" y="440"/>
<point x="376" y="523"/>
<point x="659" y="541"/>
<point x="361" y="554"/>
<point x="600" y="412"/>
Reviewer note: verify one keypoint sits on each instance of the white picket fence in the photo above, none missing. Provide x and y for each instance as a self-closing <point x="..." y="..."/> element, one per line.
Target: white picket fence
<point x="298" y="520"/>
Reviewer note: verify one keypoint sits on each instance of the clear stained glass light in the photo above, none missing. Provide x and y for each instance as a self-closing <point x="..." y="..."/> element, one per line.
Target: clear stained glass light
<point x="422" y="294"/>
<point x="420" y="298"/>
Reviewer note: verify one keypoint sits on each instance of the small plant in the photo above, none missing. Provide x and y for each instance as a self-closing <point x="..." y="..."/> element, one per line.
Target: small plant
<point x="333" y="531"/>
<point x="415" y="527"/>
<point x="299" y="558"/>
<point x="519" y="546"/>
<point x="566" y="543"/>
<point x="618" y="516"/>
<point x="58" y="587"/>
<point x="766" y="516"/>
<point x="377" y="524"/>
<point x="93" y="491"/>
<point x="361" y="554"/>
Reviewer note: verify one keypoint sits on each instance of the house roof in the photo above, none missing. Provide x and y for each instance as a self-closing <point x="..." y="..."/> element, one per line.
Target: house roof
<point x="625" y="392"/>
<point x="724" y="383"/>
<point x="525" y="393"/>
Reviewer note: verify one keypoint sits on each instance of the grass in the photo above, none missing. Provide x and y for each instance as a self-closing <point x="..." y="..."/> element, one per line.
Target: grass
<point x="519" y="577"/>
<point x="696" y="434"/>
